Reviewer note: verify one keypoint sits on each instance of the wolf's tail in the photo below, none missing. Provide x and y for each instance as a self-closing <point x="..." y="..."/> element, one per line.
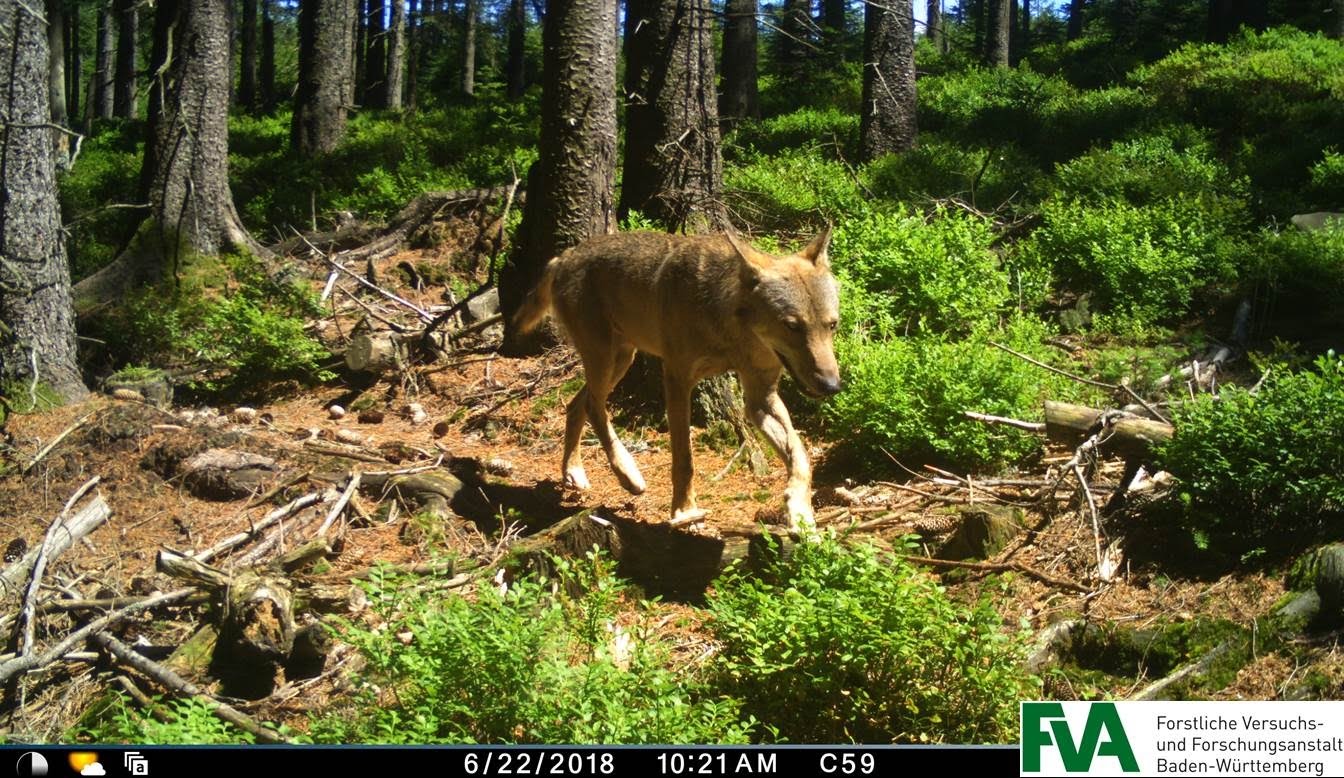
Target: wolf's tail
<point x="537" y="304"/>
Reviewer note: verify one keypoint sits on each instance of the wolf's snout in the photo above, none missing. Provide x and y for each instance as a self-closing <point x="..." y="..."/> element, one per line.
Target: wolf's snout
<point x="829" y="385"/>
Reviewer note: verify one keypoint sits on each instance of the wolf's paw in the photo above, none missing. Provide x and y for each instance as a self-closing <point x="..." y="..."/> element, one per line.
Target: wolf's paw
<point x="683" y="516"/>
<point x="801" y="519"/>
<point x="576" y="478"/>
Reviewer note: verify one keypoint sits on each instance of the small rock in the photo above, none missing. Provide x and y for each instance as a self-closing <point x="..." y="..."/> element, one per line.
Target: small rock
<point x="405" y="638"/>
<point x="416" y="413"/>
<point x="499" y="466"/>
<point x="440" y="429"/>
<point x="244" y="415"/>
<point x="336" y="412"/>
<point x="371" y="416"/>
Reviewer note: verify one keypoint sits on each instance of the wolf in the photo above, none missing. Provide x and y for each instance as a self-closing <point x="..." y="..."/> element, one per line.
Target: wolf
<point x="704" y="305"/>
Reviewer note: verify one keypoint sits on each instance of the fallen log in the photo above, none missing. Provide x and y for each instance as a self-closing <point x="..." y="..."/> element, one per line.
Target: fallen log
<point x="71" y="530"/>
<point x="1127" y="436"/>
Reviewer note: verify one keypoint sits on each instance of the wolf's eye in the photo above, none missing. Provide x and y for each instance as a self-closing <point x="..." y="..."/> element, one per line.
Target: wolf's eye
<point x="794" y="323"/>
<point x="833" y="325"/>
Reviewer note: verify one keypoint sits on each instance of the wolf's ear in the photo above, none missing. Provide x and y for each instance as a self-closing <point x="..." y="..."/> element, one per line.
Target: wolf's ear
<point x="815" y="251"/>
<point x="751" y="258"/>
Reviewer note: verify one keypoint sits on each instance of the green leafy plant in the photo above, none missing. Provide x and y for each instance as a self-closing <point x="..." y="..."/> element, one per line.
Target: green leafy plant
<point x="833" y="644"/>
<point x="179" y="722"/>
<point x="541" y="662"/>
<point x="1263" y="470"/>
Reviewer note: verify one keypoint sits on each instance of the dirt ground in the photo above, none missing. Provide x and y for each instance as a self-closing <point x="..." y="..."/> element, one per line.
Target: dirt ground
<point x="506" y="416"/>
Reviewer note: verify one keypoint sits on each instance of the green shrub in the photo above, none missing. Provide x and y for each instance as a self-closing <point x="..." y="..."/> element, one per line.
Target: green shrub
<point x="1327" y="181"/>
<point x="796" y="189"/>
<point x="184" y="722"/>
<point x="1271" y="99"/>
<point x="905" y="396"/>
<point x="937" y="168"/>
<point x="537" y="664"/>
<point x="1146" y="262"/>
<point x="806" y="127"/>
<point x="839" y="85"/>
<point x="1177" y="163"/>
<point x="903" y="274"/>
<point x="1304" y="270"/>
<point x="989" y="107"/>
<point x="229" y="325"/>
<point x="1263" y="471"/>
<point x="1072" y="123"/>
<point x="837" y="645"/>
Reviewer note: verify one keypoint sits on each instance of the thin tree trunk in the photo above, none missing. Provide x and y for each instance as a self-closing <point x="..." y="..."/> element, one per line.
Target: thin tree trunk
<point x="1075" y="28"/>
<point x="361" y="74"/>
<point x="833" y="24"/>
<point x="516" y="69"/>
<point x="396" y="56"/>
<point x="740" y="96"/>
<point x="102" y="68"/>
<point x="795" y="47"/>
<point x="570" y="186"/>
<point x="1337" y="24"/>
<point x="247" y="77"/>
<point x="469" y="14"/>
<point x="267" y="74"/>
<point x="128" y="24"/>
<point x="673" y="169"/>
<point x="887" y="124"/>
<point x="934" y="23"/>
<point x="74" y="68"/>
<point x="375" y="66"/>
<point x="1024" y="29"/>
<point x="413" y="44"/>
<point x="997" y="41"/>
<point x="37" y="323"/>
<point x="55" y="71"/>
<point x="324" y="89"/>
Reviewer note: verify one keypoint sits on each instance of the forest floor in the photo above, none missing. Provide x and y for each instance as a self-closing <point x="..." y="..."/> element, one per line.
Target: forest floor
<point x="504" y="421"/>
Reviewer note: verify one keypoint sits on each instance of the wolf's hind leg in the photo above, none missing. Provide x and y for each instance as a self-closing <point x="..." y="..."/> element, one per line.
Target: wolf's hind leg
<point x="599" y="387"/>
<point x="572" y="464"/>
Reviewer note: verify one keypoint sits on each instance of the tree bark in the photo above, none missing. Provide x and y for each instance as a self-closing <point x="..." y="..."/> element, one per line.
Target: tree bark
<point x="1075" y="28"/>
<point x="516" y="69"/>
<point x="1337" y="24"/>
<point x="396" y="56"/>
<point x="102" y="68"/>
<point x="324" y="89"/>
<point x="739" y="100"/>
<point x="888" y="121"/>
<point x="1024" y="28"/>
<point x="375" y="66"/>
<point x="128" y="25"/>
<point x="673" y="169"/>
<point x="361" y="66"/>
<point x="569" y="193"/>
<point x="37" y="323"/>
<point x="247" y="75"/>
<point x="997" y="39"/>
<point x="934" y="24"/>
<point x="833" y="29"/>
<point x="469" y="14"/>
<point x="267" y="64"/>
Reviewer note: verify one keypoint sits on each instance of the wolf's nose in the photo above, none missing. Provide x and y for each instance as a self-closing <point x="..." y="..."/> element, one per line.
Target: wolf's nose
<point x="829" y="385"/>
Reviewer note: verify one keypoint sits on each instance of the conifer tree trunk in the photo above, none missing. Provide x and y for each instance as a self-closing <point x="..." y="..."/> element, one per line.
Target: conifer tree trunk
<point x="934" y="23"/>
<point x="324" y="89"/>
<point x="673" y="169"/>
<point x="37" y="323"/>
<point x="128" y="26"/>
<point x="469" y="13"/>
<point x="55" y="72"/>
<point x="996" y="42"/>
<point x="396" y="56"/>
<point x="102" y="68"/>
<point x="247" y="62"/>
<point x="516" y="69"/>
<point x="1075" y="28"/>
<point x="267" y="64"/>
<point x="74" y="64"/>
<point x="413" y="44"/>
<point x="887" y="124"/>
<point x="740" y="96"/>
<point x="375" y="65"/>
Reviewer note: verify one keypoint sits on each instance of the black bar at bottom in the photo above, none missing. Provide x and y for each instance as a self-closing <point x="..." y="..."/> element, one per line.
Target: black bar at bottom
<point x="471" y="761"/>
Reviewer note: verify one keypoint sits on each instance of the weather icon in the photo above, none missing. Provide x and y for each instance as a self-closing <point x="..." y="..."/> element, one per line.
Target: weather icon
<point x="93" y="768"/>
<point x="81" y="759"/>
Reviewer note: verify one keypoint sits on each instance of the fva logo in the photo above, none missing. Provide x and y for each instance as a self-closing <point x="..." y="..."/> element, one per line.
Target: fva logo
<point x="1045" y="726"/>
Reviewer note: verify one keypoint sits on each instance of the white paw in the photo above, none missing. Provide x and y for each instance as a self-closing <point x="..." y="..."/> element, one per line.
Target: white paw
<point x="576" y="478"/>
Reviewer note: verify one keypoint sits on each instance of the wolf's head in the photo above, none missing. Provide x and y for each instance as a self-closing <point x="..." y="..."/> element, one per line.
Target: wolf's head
<point x="792" y="303"/>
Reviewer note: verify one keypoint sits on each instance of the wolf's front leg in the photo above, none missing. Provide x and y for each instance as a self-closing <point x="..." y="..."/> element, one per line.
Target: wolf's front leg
<point x="768" y="413"/>
<point x="677" y="390"/>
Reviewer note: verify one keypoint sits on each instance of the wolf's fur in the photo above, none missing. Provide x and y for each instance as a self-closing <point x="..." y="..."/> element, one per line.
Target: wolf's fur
<point x="706" y="305"/>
